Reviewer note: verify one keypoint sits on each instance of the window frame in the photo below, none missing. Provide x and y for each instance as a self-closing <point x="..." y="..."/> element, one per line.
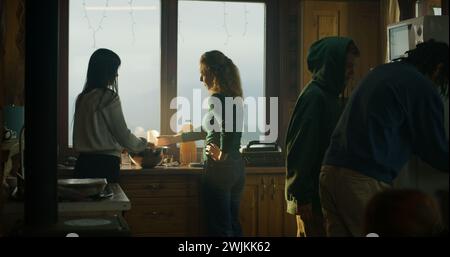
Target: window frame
<point x="169" y="47"/>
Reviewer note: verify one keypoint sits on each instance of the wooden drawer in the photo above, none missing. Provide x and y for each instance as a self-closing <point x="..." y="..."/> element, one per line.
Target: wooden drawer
<point x="164" y="217"/>
<point x="160" y="187"/>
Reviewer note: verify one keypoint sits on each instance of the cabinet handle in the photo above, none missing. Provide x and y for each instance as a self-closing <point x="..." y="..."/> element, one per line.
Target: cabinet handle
<point x="274" y="188"/>
<point x="157" y="214"/>
<point x="152" y="213"/>
<point x="153" y="186"/>
<point x="263" y="188"/>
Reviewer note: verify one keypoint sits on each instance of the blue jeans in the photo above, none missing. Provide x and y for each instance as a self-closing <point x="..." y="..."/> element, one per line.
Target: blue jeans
<point x="223" y="184"/>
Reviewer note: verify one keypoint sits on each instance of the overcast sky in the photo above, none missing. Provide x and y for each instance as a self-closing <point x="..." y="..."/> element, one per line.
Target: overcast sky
<point x="236" y="29"/>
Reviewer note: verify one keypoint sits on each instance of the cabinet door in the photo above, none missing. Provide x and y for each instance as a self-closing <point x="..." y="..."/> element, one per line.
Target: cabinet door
<point x="163" y="217"/>
<point x="289" y="222"/>
<point x="249" y="209"/>
<point x="274" y="221"/>
<point x="269" y="222"/>
<point x="263" y="207"/>
<point x="162" y="205"/>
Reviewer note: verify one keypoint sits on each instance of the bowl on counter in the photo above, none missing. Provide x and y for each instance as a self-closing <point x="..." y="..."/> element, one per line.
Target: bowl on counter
<point x="149" y="158"/>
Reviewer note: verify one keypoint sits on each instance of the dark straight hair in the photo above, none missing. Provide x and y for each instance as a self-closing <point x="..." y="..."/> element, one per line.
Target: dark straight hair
<point x="102" y="71"/>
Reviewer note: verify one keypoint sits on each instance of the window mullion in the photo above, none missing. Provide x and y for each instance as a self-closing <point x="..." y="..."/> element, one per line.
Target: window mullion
<point x="169" y="22"/>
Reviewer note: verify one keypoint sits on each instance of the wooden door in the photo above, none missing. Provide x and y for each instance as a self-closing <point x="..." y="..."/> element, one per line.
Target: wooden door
<point x="320" y="19"/>
<point x="359" y="20"/>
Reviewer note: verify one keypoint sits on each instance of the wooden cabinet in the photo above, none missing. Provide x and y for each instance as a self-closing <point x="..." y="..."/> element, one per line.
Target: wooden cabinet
<point x="263" y="207"/>
<point x="162" y="205"/>
<point x="170" y="205"/>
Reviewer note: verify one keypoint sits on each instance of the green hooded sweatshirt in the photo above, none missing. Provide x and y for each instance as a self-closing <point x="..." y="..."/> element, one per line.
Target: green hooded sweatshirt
<point x="314" y="118"/>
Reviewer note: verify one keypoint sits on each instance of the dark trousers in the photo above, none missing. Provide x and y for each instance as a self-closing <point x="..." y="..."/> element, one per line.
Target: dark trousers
<point x="223" y="184"/>
<point x="98" y="166"/>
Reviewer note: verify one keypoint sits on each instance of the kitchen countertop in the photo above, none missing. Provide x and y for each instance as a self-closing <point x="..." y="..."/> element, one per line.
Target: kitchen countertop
<point x="131" y="170"/>
<point x="117" y="203"/>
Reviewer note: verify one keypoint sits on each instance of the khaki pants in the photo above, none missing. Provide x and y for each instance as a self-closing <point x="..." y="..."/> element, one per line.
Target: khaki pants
<point x="344" y="194"/>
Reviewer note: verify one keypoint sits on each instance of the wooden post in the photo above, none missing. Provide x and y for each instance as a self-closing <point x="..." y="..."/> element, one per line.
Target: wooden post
<point x="41" y="73"/>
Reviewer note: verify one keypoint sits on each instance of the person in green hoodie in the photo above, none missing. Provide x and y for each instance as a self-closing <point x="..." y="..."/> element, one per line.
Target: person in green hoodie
<point x="331" y="62"/>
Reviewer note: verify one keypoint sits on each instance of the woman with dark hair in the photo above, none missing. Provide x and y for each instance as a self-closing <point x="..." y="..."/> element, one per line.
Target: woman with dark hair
<point x="224" y="177"/>
<point x="100" y="132"/>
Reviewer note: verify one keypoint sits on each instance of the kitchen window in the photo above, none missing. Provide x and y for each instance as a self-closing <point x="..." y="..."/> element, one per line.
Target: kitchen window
<point x="132" y="30"/>
<point x="237" y="30"/>
<point x="160" y="43"/>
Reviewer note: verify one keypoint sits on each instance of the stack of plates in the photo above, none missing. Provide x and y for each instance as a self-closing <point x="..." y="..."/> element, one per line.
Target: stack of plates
<point x="81" y="188"/>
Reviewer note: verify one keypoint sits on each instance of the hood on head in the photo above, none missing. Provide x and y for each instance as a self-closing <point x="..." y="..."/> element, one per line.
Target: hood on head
<point x="327" y="61"/>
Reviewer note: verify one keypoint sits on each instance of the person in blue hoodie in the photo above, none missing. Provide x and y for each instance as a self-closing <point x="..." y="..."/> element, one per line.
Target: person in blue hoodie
<point x="395" y="111"/>
<point x="331" y="61"/>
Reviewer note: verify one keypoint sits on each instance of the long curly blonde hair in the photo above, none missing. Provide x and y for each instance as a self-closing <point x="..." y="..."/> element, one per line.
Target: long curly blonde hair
<point x="225" y="74"/>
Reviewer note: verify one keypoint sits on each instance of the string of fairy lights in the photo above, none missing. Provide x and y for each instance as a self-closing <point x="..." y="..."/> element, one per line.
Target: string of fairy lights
<point x="180" y="35"/>
<point x="133" y="21"/>
<point x="99" y="27"/>
<point x="95" y="30"/>
<point x="225" y="27"/>
<point x="245" y="20"/>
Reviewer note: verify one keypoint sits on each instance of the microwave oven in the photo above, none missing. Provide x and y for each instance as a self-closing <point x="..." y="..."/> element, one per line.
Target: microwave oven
<point x="405" y="35"/>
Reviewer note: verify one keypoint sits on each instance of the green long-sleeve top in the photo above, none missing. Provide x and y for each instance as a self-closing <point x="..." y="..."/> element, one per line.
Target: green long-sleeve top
<point x="314" y="118"/>
<point x="213" y="129"/>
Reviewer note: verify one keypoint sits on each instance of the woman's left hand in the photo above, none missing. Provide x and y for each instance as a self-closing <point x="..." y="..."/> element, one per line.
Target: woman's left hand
<point x="213" y="151"/>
